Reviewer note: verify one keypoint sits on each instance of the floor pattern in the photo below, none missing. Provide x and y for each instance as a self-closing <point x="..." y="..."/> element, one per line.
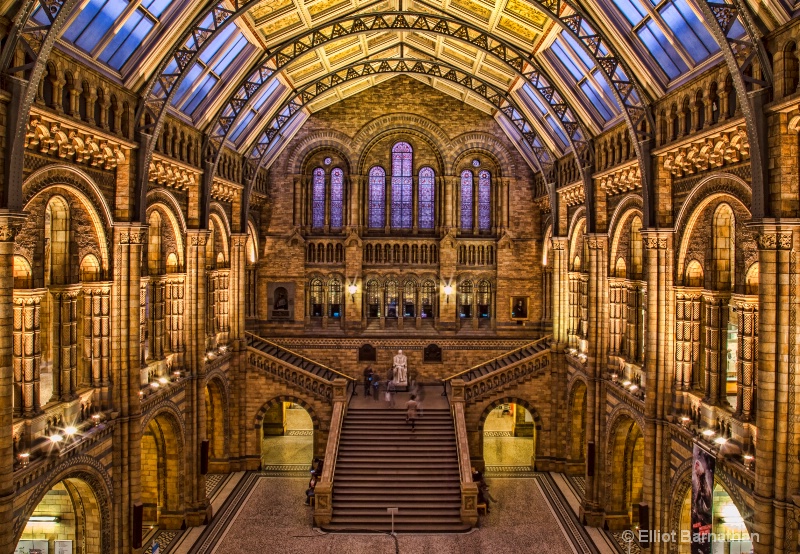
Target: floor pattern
<point x="164" y="539"/>
<point x="213" y="481"/>
<point x="268" y="515"/>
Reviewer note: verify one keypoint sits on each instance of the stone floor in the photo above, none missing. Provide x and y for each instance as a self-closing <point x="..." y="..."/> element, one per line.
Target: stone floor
<point x="295" y="448"/>
<point x="267" y="514"/>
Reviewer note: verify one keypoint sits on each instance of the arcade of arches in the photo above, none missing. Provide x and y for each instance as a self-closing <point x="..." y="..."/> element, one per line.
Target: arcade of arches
<point x="579" y="221"/>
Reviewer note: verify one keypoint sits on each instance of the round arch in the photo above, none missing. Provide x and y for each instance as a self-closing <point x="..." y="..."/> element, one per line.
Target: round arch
<point x="163" y="456"/>
<point x="217" y="417"/>
<point x="576" y="408"/>
<point x="82" y="469"/>
<point x="316" y="141"/>
<point x="475" y="142"/>
<point x="537" y="422"/>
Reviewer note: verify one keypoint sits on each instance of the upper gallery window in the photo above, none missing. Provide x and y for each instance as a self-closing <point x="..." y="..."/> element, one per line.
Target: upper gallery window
<point x="402" y="186"/>
<point x="321" y="192"/>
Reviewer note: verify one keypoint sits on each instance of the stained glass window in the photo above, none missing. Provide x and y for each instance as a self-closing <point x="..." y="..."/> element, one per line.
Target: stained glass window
<point x="484" y="200"/>
<point x="427" y="194"/>
<point x="466" y="199"/>
<point x="337" y="195"/>
<point x="318" y="193"/>
<point x="377" y="198"/>
<point x="402" y="186"/>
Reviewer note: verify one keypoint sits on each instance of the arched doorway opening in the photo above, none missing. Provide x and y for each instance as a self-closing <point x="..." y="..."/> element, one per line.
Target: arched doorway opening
<point x="69" y="514"/>
<point x="216" y="427"/>
<point x="287" y="437"/>
<point x="727" y="524"/>
<point x="162" y="488"/>
<point x="509" y="438"/>
<point x="626" y="469"/>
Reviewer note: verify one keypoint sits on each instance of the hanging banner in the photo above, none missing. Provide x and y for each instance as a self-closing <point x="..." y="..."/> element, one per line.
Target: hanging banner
<point x="703" y="463"/>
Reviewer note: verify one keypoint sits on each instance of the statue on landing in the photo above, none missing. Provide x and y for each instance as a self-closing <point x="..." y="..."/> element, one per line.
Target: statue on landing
<point x="400" y="369"/>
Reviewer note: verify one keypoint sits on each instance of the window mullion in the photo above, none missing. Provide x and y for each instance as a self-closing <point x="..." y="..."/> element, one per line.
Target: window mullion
<point x="679" y="48"/>
<point x="116" y="28"/>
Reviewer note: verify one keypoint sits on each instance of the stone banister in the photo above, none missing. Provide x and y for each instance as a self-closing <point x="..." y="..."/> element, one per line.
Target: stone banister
<point x="469" y="489"/>
<point x="323" y="492"/>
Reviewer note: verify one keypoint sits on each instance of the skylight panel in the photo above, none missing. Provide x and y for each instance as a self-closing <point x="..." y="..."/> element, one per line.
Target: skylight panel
<point x="556" y="128"/>
<point x="127" y="40"/>
<point x="92" y="23"/>
<point x="243" y="125"/>
<point x="230" y="55"/>
<point x="633" y="10"/>
<point x="661" y="49"/>
<point x="596" y="100"/>
<point x="567" y="61"/>
<point x="218" y="43"/>
<point x="684" y="23"/>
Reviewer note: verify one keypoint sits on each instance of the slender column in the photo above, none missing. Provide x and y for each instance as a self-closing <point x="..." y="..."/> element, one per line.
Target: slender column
<point x="560" y="289"/>
<point x="27" y="351"/>
<point x="716" y="329"/>
<point x="659" y="375"/>
<point x="617" y="300"/>
<point x="10" y="225"/>
<point x="129" y="241"/>
<point x="574" y="308"/>
<point x="746" y="355"/>
<point x="65" y="341"/>
<point x="97" y="338"/>
<point x="237" y="299"/>
<point x="687" y="336"/>
<point x="776" y="366"/>
<point x="198" y="509"/>
<point x="144" y="346"/>
<point x="175" y="289"/>
<point x="597" y="318"/>
<point x="156" y="323"/>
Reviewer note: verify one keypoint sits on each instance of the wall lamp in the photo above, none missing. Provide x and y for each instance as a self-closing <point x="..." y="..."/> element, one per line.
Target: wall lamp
<point x="448" y="290"/>
<point x="352" y="290"/>
<point x="48" y="519"/>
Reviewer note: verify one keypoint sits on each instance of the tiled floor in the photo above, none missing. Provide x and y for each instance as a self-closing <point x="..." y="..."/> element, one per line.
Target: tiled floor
<point x="266" y="514"/>
<point x="295" y="448"/>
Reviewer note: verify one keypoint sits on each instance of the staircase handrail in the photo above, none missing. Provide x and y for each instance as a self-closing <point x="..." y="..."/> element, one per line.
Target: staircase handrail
<point x="505" y="354"/>
<point x="469" y="489"/>
<point x="323" y="492"/>
<point x="253" y="336"/>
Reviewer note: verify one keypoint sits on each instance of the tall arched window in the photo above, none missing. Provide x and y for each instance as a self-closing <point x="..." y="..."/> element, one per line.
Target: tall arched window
<point x="484" y="200"/>
<point x="465" y="299"/>
<point x="337" y="197"/>
<point x="426" y="195"/>
<point x="373" y="299"/>
<point x="335" y="298"/>
<point x="377" y="198"/>
<point x="391" y="300"/>
<point x="318" y="193"/>
<point x="466" y="200"/>
<point x="427" y="298"/>
<point x="317" y="298"/>
<point x="402" y="195"/>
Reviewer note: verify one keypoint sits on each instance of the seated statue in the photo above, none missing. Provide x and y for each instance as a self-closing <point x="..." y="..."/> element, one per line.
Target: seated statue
<point x="400" y="368"/>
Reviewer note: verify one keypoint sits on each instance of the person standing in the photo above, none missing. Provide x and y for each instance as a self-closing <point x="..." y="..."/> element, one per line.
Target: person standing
<point x="376" y="385"/>
<point x="367" y="380"/>
<point x="411" y="411"/>
<point x="391" y="389"/>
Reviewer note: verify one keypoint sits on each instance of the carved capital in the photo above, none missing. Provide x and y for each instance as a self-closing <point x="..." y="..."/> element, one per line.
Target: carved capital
<point x="559" y="243"/>
<point x="132" y="237"/>
<point x="10" y="226"/>
<point x="198" y="240"/>
<point x="655" y="243"/>
<point x="775" y="241"/>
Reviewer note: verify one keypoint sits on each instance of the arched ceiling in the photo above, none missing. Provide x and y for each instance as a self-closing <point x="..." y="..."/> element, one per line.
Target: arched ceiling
<point x="564" y="70"/>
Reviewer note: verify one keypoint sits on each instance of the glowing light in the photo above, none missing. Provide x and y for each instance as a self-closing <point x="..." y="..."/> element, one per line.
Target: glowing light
<point x="352" y="289"/>
<point x="633" y="388"/>
<point x="708" y="433"/>
<point x="154" y="385"/>
<point x="163" y="380"/>
<point x="56" y="438"/>
<point x="626" y="383"/>
<point x="70" y="430"/>
<point x="720" y="440"/>
<point x="448" y="290"/>
<point x="685" y="419"/>
<point x="48" y="519"/>
<point x="748" y="457"/>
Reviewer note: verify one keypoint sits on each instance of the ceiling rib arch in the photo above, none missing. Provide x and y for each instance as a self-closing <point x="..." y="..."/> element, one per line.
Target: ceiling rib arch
<point x="514" y="58"/>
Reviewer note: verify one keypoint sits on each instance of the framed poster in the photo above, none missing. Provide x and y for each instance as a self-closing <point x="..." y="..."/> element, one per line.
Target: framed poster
<point x="703" y="463"/>
<point x="33" y="547"/>
<point x="280" y="298"/>
<point x="519" y="307"/>
<point x="63" y="547"/>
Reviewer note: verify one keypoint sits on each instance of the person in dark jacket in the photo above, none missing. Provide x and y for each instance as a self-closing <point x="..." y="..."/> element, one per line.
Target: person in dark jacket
<point x="368" y="373"/>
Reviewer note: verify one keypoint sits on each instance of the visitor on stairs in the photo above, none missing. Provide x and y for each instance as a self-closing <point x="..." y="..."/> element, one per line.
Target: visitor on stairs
<point x="417" y="390"/>
<point x="376" y="384"/>
<point x="391" y="389"/>
<point x="312" y="483"/>
<point x="367" y="380"/>
<point x="411" y="414"/>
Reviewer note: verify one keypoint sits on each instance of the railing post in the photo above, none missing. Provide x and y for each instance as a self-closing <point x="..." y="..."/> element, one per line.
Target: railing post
<point x="323" y="492"/>
<point x="469" y="489"/>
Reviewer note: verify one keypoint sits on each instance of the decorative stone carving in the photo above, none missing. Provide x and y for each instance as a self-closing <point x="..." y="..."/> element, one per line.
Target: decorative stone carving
<point x="51" y="135"/>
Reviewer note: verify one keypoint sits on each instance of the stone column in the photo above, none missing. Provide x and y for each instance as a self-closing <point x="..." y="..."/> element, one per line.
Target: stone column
<point x="65" y="341"/>
<point x="97" y="338"/>
<point x="776" y="366"/>
<point x="560" y="290"/>
<point x="10" y="225"/>
<point x="129" y="241"/>
<point x="175" y="289"/>
<point x="27" y="351"/>
<point x="156" y="323"/>
<point x="237" y="298"/>
<point x="715" y="324"/>
<point x="574" y="308"/>
<point x="659" y="375"/>
<point x="687" y="339"/>
<point x="747" y="353"/>
<point x="617" y="298"/>
<point x="198" y="510"/>
<point x="597" y="361"/>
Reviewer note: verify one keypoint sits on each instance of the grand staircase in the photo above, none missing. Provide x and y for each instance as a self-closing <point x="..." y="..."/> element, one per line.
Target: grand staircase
<point x="383" y="464"/>
<point x="496" y="364"/>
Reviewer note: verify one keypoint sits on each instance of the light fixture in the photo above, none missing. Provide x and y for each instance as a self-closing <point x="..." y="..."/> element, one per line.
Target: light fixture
<point x="47" y="519"/>
<point x="626" y="383"/>
<point x="155" y="385"/>
<point x="70" y="430"/>
<point x="633" y="388"/>
<point x="720" y="440"/>
<point x="352" y="290"/>
<point x="56" y="438"/>
<point x="447" y="291"/>
<point x="709" y="433"/>
<point x="163" y="380"/>
<point x="748" y="457"/>
<point x="24" y="458"/>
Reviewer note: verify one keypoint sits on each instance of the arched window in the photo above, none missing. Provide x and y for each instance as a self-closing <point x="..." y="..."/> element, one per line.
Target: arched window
<point x="465" y="299"/>
<point x="316" y="297"/>
<point x="335" y="298"/>
<point x="377" y="198"/>
<point x="484" y="200"/>
<point x="337" y="197"/>
<point x="409" y="298"/>
<point x="391" y="298"/>
<point x="724" y="248"/>
<point x="373" y="299"/>
<point x="318" y="194"/>
<point x="466" y="200"/>
<point x="426" y="195"/>
<point x="427" y="298"/>
<point x="401" y="185"/>
<point x="484" y="299"/>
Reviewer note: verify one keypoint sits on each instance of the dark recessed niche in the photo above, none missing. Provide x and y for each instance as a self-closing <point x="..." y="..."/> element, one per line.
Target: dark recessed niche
<point x="367" y="353"/>
<point x="432" y="353"/>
